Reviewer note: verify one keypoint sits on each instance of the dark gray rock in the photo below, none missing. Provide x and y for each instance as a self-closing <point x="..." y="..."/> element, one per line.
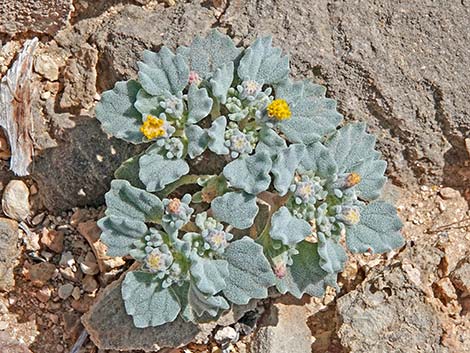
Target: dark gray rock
<point x="122" y="38"/>
<point x="9" y="252"/>
<point x="110" y="327"/>
<point x="397" y="66"/>
<point x="389" y="313"/>
<point x="79" y="170"/>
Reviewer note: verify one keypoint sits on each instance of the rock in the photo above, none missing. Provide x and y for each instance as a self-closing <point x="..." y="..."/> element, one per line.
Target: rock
<point x="48" y="65"/>
<point x="89" y="266"/>
<point x="83" y="304"/>
<point x="369" y="72"/>
<point x="40" y="273"/>
<point x="91" y="232"/>
<point x="80" y="79"/>
<point x="31" y="240"/>
<point x="403" y="88"/>
<point x="460" y="277"/>
<point x="67" y="260"/>
<point x="283" y="329"/>
<point x="86" y="159"/>
<point x="10" y="345"/>
<point x="444" y="290"/>
<point x="65" y="291"/>
<point x="15" y="200"/>
<point x="72" y="325"/>
<point x="38" y="219"/>
<point x="125" y="35"/>
<point x="449" y="193"/>
<point x="76" y="293"/>
<point x="70" y="275"/>
<point x="53" y="239"/>
<point x="89" y="284"/>
<point x="9" y="252"/>
<point x="44" y="294"/>
<point x="226" y="335"/>
<point x="33" y="16"/>
<point x="110" y="327"/>
<point x="381" y="315"/>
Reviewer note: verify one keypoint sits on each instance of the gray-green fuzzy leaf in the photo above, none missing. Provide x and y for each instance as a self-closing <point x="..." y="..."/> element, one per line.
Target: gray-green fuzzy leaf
<point x="199" y="104"/>
<point x="148" y="303"/>
<point x="250" y="173"/>
<point x="201" y="303"/>
<point x="250" y="273"/>
<point x="163" y="72"/>
<point x="305" y="274"/>
<point x="351" y="146"/>
<point x="313" y="115"/>
<point x="285" y="166"/>
<point x="197" y="140"/>
<point x="318" y="158"/>
<point x="119" y="234"/>
<point x="270" y="142"/>
<point x="117" y="113"/>
<point x="378" y="230"/>
<point x="263" y="63"/>
<point x="372" y="179"/>
<point x="126" y="201"/>
<point x="205" y="55"/>
<point x="287" y="228"/>
<point x="209" y="275"/>
<point x="332" y="255"/>
<point x="238" y="209"/>
<point x="216" y="136"/>
<point x="221" y="81"/>
<point x="129" y="170"/>
<point x="148" y="104"/>
<point x="156" y="171"/>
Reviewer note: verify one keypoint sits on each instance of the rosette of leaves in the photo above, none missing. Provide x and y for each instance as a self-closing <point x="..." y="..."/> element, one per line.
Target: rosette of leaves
<point x="189" y="265"/>
<point x="294" y="184"/>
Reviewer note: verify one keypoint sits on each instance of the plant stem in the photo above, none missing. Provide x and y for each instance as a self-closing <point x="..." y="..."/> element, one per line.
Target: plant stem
<point x="184" y="180"/>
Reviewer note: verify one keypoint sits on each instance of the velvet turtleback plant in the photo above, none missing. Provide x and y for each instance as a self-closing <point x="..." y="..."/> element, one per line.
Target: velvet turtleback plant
<point x="284" y="182"/>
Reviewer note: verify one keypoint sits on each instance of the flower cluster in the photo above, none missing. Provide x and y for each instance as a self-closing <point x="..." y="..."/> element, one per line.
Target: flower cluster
<point x="213" y="234"/>
<point x="154" y="127"/>
<point x="176" y="213"/>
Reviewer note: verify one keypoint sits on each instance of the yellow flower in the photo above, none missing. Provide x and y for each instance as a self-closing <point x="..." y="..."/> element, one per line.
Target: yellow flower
<point x="153" y="127"/>
<point x="279" y="110"/>
<point x="353" y="179"/>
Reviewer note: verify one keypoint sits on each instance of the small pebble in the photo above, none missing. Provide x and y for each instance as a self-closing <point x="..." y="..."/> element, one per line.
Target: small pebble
<point x="89" y="265"/>
<point x="65" y="291"/>
<point x="67" y="259"/>
<point x="449" y="193"/>
<point x="76" y="293"/>
<point x="38" y="219"/>
<point x="89" y="284"/>
<point x="226" y="334"/>
<point x="15" y="200"/>
<point x="44" y="294"/>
